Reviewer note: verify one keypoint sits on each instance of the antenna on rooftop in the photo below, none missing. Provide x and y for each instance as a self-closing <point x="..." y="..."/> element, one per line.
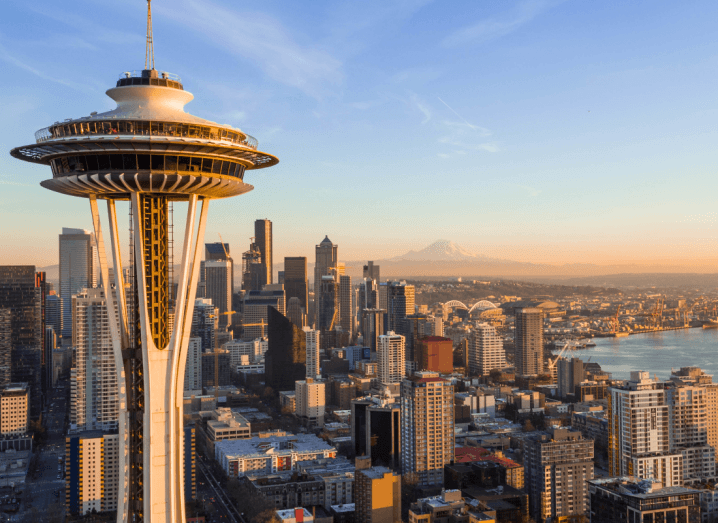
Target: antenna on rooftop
<point x="150" y="51"/>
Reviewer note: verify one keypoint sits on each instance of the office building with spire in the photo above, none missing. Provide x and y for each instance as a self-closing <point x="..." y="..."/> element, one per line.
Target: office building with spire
<point x="325" y="264"/>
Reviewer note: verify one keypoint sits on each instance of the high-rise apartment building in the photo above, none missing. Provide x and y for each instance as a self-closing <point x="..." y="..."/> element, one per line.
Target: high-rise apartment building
<point x="218" y="288"/>
<point x="256" y="310"/>
<point x="485" y="350"/>
<point x="78" y="270"/>
<point x="346" y="311"/>
<point x="400" y="304"/>
<point x="310" y="397"/>
<point x="427" y="427"/>
<point x="295" y="280"/>
<point x="14" y="409"/>
<point x="688" y="429"/>
<point x="528" y="355"/>
<point x="23" y="361"/>
<point x="216" y="370"/>
<point x="263" y="239"/>
<point x="313" y="353"/>
<point x="638" y="433"/>
<point x="92" y="472"/>
<point x="391" y="358"/>
<point x="93" y="380"/>
<point x="193" y="368"/>
<point x="326" y="264"/>
<point x="377" y="495"/>
<point x="435" y="354"/>
<point x="205" y="322"/>
<point x="557" y="466"/>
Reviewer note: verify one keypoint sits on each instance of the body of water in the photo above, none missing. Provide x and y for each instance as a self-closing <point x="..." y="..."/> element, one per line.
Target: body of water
<point x="656" y="352"/>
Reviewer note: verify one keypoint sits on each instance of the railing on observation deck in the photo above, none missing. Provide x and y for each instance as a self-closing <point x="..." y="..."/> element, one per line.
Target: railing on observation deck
<point x="144" y="128"/>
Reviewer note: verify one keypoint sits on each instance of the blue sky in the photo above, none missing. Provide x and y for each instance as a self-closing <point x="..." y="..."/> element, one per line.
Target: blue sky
<point x="559" y="132"/>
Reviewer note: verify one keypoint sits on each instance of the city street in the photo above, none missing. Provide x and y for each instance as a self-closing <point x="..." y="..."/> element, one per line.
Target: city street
<point x="44" y="493"/>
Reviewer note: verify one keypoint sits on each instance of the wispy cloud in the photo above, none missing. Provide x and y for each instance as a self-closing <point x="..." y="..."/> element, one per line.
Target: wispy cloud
<point x="533" y="192"/>
<point x="464" y="136"/>
<point x="498" y="26"/>
<point x="13" y="60"/>
<point x="421" y="106"/>
<point x="262" y="40"/>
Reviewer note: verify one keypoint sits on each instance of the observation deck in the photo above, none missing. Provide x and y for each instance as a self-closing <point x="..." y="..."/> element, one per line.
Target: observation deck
<point x="147" y="144"/>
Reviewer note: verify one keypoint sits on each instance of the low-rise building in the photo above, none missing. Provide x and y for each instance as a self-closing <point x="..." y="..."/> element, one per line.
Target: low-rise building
<point x="14" y="409"/>
<point x="269" y="455"/>
<point x="377" y="495"/>
<point x="632" y="499"/>
<point x="225" y="424"/>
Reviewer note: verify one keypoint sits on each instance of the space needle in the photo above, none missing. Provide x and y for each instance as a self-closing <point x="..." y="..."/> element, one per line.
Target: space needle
<point x="149" y="151"/>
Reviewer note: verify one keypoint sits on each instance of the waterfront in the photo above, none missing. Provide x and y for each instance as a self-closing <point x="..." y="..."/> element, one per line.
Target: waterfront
<point x="656" y="352"/>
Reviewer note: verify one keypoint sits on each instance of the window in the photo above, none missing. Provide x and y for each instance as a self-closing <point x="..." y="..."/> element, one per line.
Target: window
<point x="183" y="163"/>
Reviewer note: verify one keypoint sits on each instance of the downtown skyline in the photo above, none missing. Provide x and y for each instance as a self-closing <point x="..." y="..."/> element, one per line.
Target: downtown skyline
<point x="553" y="132"/>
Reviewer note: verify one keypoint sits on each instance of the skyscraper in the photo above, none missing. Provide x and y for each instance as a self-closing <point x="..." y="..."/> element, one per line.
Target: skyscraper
<point x="256" y="310"/>
<point x="219" y="251"/>
<point x="570" y="375"/>
<point x="93" y="379"/>
<point x="19" y="295"/>
<point x="371" y="271"/>
<point x="263" y="239"/>
<point x="296" y="313"/>
<point x="427" y="427"/>
<point x="286" y="357"/>
<point x="5" y="346"/>
<point x="218" y="288"/>
<point x="486" y="350"/>
<point x="557" y="466"/>
<point x="638" y="432"/>
<point x="373" y="327"/>
<point x="328" y="307"/>
<point x="295" y="280"/>
<point x="205" y="322"/>
<point x="78" y="270"/>
<point x="400" y="304"/>
<point x="391" y="358"/>
<point x="346" y="311"/>
<point x="528" y="357"/>
<point x="376" y="430"/>
<point x="326" y="263"/>
<point x="313" y="353"/>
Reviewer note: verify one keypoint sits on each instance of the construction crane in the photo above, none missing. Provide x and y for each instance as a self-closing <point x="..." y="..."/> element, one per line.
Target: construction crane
<point x="261" y="323"/>
<point x="552" y="362"/>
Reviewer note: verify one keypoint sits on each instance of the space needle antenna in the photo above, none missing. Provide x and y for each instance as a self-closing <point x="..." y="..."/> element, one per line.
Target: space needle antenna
<point x="150" y="51"/>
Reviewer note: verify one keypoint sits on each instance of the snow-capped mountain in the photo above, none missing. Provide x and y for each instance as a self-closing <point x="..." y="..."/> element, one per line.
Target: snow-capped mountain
<point x="441" y="250"/>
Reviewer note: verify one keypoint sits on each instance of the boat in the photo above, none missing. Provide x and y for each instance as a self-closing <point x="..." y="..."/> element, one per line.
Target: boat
<point x="711" y="324"/>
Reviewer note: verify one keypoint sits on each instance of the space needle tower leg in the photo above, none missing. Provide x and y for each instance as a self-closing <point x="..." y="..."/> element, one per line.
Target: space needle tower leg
<point x="162" y="358"/>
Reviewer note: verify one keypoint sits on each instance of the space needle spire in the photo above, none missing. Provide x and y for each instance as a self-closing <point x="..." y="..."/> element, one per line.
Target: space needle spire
<point x="150" y="49"/>
<point x="150" y="152"/>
